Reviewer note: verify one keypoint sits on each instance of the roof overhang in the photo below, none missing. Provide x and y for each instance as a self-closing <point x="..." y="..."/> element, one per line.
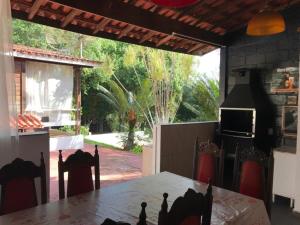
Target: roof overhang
<point x="34" y="54"/>
<point x="195" y="30"/>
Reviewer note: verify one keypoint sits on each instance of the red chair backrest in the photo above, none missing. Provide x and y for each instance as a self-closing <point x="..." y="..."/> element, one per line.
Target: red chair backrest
<point x="80" y="180"/>
<point x="79" y="167"/>
<point x="18" y="187"/>
<point x="206" y="168"/>
<point x="19" y="194"/>
<point x="208" y="163"/>
<point x="191" y="220"/>
<point x="251" y="179"/>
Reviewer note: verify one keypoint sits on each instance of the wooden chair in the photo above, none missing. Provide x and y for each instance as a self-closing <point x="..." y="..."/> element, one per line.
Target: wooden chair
<point x="253" y="174"/>
<point x="18" y="190"/>
<point x="191" y="209"/>
<point x="78" y="166"/>
<point x="112" y="222"/>
<point x="208" y="163"/>
<point x="142" y="218"/>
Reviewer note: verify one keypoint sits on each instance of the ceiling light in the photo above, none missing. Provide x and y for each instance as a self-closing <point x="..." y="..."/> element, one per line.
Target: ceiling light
<point x="266" y="23"/>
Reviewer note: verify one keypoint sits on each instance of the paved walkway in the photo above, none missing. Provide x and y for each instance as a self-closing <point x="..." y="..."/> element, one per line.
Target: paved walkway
<point x="115" y="166"/>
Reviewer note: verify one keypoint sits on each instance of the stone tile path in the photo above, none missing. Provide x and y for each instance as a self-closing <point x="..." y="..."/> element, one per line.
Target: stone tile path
<point x="115" y="166"/>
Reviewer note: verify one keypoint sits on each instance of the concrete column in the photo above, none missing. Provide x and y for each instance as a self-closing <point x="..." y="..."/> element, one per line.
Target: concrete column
<point x="223" y="74"/>
<point x="297" y="188"/>
<point x="77" y="97"/>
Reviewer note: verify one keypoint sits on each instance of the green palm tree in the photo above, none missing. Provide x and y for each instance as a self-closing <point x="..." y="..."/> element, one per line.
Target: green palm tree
<point x="202" y="99"/>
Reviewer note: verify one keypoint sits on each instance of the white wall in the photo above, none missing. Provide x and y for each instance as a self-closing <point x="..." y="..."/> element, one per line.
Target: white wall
<point x="66" y="142"/>
<point x="31" y="146"/>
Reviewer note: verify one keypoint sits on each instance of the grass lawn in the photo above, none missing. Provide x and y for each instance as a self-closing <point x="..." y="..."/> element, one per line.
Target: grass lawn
<point x="86" y="141"/>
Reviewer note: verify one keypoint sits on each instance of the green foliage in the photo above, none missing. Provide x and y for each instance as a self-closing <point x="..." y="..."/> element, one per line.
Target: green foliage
<point x="200" y="101"/>
<point x="39" y="36"/>
<point x="84" y="130"/>
<point x="137" y="149"/>
<point x="163" y="84"/>
<point x="115" y="122"/>
<point x="160" y="92"/>
<point x="29" y="34"/>
<point x="67" y="129"/>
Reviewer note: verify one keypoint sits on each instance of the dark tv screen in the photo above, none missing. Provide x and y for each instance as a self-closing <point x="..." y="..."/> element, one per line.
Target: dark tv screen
<point x="237" y="120"/>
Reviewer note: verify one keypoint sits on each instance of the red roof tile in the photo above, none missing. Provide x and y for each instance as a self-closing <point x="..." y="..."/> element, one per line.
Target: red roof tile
<point x="21" y="51"/>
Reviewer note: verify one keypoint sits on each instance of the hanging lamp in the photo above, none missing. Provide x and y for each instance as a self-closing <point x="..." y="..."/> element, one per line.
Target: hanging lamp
<point x="266" y="23"/>
<point x="174" y="3"/>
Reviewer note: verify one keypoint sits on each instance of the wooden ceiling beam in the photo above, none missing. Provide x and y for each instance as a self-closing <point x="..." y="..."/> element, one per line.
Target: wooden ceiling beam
<point x="87" y="31"/>
<point x="189" y="10"/>
<point x="101" y="25"/>
<point x="213" y="11"/>
<point x="147" y="36"/>
<point x="164" y="40"/>
<point x="35" y="7"/>
<point x="120" y="11"/>
<point x="250" y="9"/>
<point x="196" y="47"/>
<point x="90" y="22"/>
<point x="70" y="17"/>
<point x="180" y="44"/>
<point x="125" y="31"/>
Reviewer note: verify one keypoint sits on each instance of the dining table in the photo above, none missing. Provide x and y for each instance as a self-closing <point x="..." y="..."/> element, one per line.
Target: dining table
<point x="122" y="202"/>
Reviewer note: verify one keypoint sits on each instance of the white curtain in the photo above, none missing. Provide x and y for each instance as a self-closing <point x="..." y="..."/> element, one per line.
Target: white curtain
<point x="8" y="126"/>
<point x="49" y="91"/>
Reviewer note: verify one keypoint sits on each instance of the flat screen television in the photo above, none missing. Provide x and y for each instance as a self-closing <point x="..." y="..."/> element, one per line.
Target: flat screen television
<point x="237" y="122"/>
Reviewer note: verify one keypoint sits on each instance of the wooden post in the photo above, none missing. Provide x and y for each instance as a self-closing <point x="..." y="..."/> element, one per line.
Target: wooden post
<point x="23" y="87"/>
<point x="43" y="180"/>
<point x="163" y="213"/>
<point x="77" y="98"/>
<point x="61" y="180"/>
<point x="97" y="168"/>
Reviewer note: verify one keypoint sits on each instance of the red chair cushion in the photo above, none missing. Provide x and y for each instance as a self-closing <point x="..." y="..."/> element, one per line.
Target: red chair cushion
<point x="19" y="194"/>
<point x="206" y="168"/>
<point x="191" y="220"/>
<point x="251" y="180"/>
<point x="79" y="180"/>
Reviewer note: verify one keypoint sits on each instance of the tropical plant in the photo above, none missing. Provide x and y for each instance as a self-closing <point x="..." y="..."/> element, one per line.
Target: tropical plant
<point x="200" y="100"/>
<point x="116" y="97"/>
<point x="160" y="91"/>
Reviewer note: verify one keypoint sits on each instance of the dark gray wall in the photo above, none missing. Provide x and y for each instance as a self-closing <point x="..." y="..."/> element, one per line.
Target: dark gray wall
<point x="267" y="53"/>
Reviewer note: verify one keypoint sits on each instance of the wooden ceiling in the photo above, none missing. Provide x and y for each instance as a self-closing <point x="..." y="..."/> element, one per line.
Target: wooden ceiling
<point x="196" y="29"/>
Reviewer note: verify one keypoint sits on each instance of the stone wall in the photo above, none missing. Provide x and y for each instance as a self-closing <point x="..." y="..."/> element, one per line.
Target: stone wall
<point x="267" y="53"/>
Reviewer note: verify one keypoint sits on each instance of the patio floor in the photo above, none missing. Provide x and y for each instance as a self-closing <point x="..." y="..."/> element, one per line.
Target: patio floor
<point x="115" y="166"/>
